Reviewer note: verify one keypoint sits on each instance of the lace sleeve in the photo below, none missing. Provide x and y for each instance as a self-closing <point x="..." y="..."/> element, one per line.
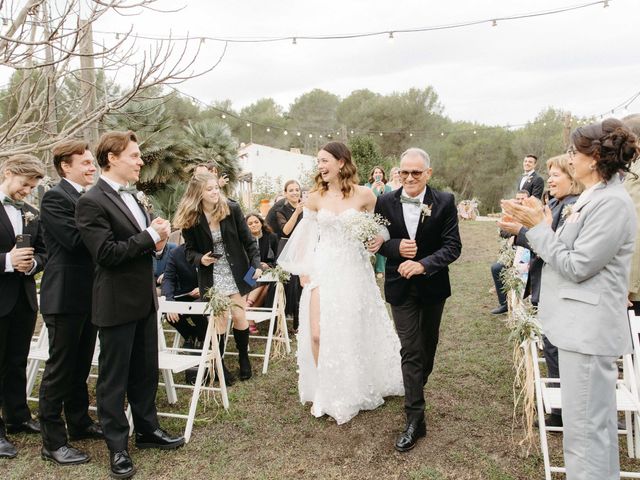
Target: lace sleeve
<point x="297" y="255"/>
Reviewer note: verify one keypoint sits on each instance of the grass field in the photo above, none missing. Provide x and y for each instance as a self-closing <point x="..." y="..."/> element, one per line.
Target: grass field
<point x="268" y="434"/>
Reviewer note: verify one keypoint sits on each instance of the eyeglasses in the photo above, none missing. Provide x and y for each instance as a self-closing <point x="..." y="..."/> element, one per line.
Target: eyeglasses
<point x="414" y="173"/>
<point x="571" y="151"/>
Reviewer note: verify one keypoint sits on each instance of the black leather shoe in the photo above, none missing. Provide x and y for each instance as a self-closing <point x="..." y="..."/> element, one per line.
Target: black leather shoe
<point x="551" y="420"/>
<point x="30" y="426"/>
<point x="121" y="464"/>
<point x="92" y="431"/>
<point x="65" y="455"/>
<point x="158" y="439"/>
<point x="7" y="449"/>
<point x="500" y="310"/>
<point x="408" y="439"/>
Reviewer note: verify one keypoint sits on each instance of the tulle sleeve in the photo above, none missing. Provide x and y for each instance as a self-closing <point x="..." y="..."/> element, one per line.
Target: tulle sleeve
<point x="297" y="254"/>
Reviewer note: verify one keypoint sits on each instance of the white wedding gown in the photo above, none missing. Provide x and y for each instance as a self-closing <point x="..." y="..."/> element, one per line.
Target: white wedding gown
<point x="359" y="359"/>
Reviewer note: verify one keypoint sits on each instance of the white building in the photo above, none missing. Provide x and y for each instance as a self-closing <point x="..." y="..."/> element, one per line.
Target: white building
<point x="258" y="160"/>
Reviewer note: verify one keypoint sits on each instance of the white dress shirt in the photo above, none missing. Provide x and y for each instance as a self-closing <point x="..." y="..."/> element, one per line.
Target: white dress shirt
<point x="79" y="188"/>
<point x="15" y="217"/>
<point x="134" y="208"/>
<point x="412" y="213"/>
<point x="525" y="177"/>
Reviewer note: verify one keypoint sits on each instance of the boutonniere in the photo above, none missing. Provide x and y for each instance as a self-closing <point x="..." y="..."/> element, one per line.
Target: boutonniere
<point x="566" y="211"/>
<point x="426" y="211"/>
<point x="144" y="201"/>
<point x="29" y="217"/>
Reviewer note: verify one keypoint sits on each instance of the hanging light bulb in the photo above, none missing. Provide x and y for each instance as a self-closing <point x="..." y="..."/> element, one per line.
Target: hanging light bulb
<point x="442" y="134"/>
<point x="320" y="136"/>
<point x="311" y="135"/>
<point x="544" y="124"/>
<point x="117" y="34"/>
<point x="201" y="40"/>
<point x="298" y="134"/>
<point x="223" y="116"/>
<point x="248" y="124"/>
<point x="411" y="134"/>
<point x="390" y="37"/>
<point x="337" y="133"/>
<point x="380" y="133"/>
<point x="494" y="23"/>
<point x="268" y="129"/>
<point x="286" y="133"/>
<point x="606" y="3"/>
<point x="351" y="132"/>
<point x="295" y="41"/>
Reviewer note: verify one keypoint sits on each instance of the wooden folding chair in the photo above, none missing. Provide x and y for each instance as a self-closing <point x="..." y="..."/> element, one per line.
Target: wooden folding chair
<point x="273" y="314"/>
<point x="175" y="360"/>
<point x="550" y="397"/>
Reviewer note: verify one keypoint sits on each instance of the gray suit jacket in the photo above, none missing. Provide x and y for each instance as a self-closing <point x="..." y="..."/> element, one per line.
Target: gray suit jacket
<point x="583" y="295"/>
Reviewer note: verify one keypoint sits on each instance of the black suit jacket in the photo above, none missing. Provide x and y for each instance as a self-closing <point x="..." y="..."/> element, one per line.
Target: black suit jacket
<point x="124" y="287"/>
<point x="12" y="282"/>
<point x="536" y="263"/>
<point x="268" y="245"/>
<point x="68" y="279"/>
<point x="534" y="185"/>
<point x="239" y="245"/>
<point x="180" y="276"/>
<point x="438" y="241"/>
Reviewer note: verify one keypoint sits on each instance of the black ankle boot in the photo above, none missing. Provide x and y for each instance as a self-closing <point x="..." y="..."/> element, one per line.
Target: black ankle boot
<point x="242" y="342"/>
<point x="229" y="379"/>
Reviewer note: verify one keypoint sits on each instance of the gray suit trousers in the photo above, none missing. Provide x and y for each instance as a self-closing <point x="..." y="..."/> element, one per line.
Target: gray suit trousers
<point x="589" y="416"/>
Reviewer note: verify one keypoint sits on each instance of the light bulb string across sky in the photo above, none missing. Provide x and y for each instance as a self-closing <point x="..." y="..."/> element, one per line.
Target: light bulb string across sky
<point x="411" y="132"/>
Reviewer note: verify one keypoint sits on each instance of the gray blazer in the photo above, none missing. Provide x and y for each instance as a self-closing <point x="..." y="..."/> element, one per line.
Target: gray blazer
<point x="583" y="295"/>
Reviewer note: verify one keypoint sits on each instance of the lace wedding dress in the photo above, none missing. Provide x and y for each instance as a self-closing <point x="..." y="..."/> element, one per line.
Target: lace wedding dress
<point x="359" y="359"/>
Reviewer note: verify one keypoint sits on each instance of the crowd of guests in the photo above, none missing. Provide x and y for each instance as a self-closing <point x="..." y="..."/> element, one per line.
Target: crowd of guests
<point x="582" y="239"/>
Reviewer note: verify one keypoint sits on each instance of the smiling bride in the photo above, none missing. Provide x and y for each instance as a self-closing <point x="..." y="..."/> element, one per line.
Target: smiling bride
<point x="348" y="351"/>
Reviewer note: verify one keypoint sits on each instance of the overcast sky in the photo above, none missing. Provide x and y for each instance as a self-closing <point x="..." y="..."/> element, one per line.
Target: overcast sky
<point x="585" y="61"/>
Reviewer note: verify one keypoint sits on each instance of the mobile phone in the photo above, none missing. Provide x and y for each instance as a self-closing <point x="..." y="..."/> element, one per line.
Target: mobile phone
<point x="23" y="240"/>
<point x="377" y="178"/>
<point x="305" y="195"/>
<point x="214" y="255"/>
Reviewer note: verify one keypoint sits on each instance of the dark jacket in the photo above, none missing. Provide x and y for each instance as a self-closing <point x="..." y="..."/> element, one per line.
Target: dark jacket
<point x="124" y="287"/>
<point x="438" y="241"/>
<point x="180" y="276"/>
<point x="536" y="263"/>
<point x="12" y="282"/>
<point x="534" y="185"/>
<point x="268" y="246"/>
<point x="68" y="279"/>
<point x="240" y="248"/>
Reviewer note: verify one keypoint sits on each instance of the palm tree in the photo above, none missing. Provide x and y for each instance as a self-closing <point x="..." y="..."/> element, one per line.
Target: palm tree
<point x="165" y="202"/>
<point x="212" y="141"/>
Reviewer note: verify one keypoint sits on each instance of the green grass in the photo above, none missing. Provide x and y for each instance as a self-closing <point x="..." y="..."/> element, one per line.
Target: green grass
<point x="268" y="434"/>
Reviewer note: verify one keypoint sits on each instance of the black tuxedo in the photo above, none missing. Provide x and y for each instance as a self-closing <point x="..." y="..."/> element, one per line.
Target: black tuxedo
<point x="417" y="303"/>
<point x="181" y="277"/>
<point x="65" y="303"/>
<point x="534" y="185"/>
<point x="124" y="308"/>
<point x="18" y="309"/>
<point x="240" y="248"/>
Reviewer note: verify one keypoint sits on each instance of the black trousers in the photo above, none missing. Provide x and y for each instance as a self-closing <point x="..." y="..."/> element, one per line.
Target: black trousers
<point x="72" y="339"/>
<point x="418" y="327"/>
<point x="16" y="330"/>
<point x="187" y="330"/>
<point x="128" y="365"/>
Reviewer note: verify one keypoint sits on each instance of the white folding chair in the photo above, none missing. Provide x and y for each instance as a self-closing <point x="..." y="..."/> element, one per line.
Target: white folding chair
<point x="273" y="314"/>
<point x="175" y="360"/>
<point x="549" y="397"/>
<point x="634" y="325"/>
<point x="38" y="354"/>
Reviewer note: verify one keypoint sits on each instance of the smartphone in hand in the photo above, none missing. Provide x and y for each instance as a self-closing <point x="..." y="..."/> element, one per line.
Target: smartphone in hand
<point x="23" y="240"/>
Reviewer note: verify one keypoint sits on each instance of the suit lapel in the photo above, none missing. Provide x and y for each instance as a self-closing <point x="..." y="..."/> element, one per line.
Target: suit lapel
<point x="202" y="219"/>
<point x="4" y="220"/>
<point x="428" y="200"/>
<point x="69" y="190"/>
<point x="397" y="213"/>
<point x="112" y="195"/>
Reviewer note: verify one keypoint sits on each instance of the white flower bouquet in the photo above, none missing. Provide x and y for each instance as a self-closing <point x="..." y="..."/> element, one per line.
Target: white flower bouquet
<point x="364" y="226"/>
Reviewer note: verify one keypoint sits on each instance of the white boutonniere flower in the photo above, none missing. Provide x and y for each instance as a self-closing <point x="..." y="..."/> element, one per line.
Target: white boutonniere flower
<point x="426" y="212"/>
<point x="29" y="217"/>
<point x="144" y="201"/>
<point x="567" y="210"/>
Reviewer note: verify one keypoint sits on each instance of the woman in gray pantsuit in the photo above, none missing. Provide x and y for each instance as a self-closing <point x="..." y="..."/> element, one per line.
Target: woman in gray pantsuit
<point x="583" y="297"/>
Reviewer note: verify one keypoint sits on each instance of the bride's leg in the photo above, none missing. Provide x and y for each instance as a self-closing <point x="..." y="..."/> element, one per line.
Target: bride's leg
<point x="314" y="322"/>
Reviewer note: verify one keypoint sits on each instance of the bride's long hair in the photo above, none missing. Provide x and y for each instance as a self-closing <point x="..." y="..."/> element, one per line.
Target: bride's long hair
<point x="348" y="175"/>
<point x="191" y="207"/>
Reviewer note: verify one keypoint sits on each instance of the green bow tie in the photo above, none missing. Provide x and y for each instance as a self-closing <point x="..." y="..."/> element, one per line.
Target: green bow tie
<point x="414" y="201"/>
<point x="14" y="203"/>
<point x="131" y="190"/>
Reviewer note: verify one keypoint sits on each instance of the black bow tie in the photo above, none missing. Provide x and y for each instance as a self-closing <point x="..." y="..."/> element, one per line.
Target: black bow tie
<point x="14" y="203"/>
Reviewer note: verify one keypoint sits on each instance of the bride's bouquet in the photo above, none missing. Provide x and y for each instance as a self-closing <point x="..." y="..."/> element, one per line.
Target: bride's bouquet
<point x="364" y="226"/>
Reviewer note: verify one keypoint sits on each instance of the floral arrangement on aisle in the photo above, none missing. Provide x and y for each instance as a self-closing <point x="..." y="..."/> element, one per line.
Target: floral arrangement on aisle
<point x="281" y="276"/>
<point x="521" y="320"/>
<point x="364" y="226"/>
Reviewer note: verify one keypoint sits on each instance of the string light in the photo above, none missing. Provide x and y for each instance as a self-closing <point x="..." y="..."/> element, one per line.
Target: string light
<point x="268" y="129"/>
<point x="391" y="37"/>
<point x="223" y="116"/>
<point x="285" y="132"/>
<point x="494" y="23"/>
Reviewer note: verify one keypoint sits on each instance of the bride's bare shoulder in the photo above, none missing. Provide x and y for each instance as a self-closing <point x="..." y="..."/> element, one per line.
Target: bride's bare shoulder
<point x="313" y="200"/>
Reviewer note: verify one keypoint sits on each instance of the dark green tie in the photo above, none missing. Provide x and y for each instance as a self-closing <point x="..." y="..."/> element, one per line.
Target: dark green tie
<point x="131" y="190"/>
<point x="14" y="203"/>
<point x="414" y="201"/>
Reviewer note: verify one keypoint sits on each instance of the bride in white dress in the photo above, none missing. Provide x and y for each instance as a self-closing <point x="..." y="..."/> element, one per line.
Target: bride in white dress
<point x="348" y="350"/>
